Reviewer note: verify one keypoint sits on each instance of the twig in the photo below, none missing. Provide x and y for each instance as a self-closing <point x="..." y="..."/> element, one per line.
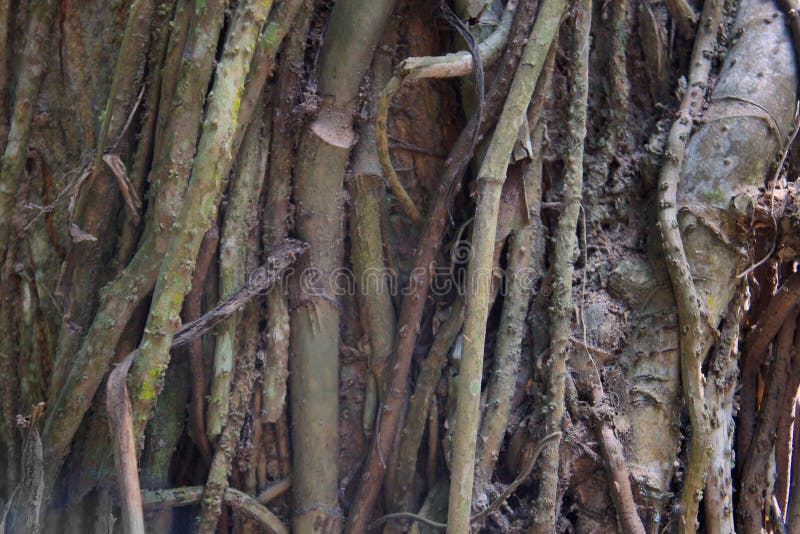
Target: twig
<point x="382" y="144"/>
<point x="461" y="63"/>
<point x="262" y="279"/>
<point x="131" y="114"/>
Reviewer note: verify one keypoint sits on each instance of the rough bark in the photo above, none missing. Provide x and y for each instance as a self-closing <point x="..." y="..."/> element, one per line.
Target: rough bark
<point x="728" y="156"/>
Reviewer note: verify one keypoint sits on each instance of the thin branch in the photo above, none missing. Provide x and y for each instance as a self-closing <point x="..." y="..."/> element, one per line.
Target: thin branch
<point x="546" y="507"/>
<point x="192" y="310"/>
<point x="240" y="393"/>
<point x="274" y="491"/>
<point x="419" y="405"/>
<point x="522" y="257"/>
<point x="237" y="221"/>
<point x="236" y="499"/>
<point x="276" y="212"/>
<point x="693" y="328"/>
<point x="261" y="280"/>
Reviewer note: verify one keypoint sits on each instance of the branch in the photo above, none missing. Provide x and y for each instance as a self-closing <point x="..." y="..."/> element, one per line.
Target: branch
<point x="522" y="257"/>
<point x="693" y="328"/>
<point x="560" y="309"/>
<point x="76" y="379"/>
<point x="416" y="68"/>
<point x="261" y="280"/>
<point x="189" y="495"/>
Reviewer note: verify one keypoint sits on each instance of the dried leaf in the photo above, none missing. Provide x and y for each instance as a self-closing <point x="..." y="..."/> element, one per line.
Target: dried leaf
<point x="132" y="201"/>
<point x="79" y="235"/>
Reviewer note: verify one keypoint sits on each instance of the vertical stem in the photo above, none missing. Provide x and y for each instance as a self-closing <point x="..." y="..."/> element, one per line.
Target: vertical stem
<point x="694" y="333"/>
<point x="544" y="518"/>
<point x="29" y="81"/>
<point x="523" y="259"/>
<point x="192" y="310"/>
<point x="276" y="212"/>
<point x="217" y="484"/>
<point x="366" y="188"/>
<point x="119" y="417"/>
<point x="353" y="32"/>
<point x="5" y="16"/>
<point x="792" y="514"/>
<point x="723" y="372"/>
<point x="237" y="223"/>
<point x="756" y="488"/>
<point x="421" y="403"/>
<point x="618" y="101"/>
<point x="33" y="63"/>
<point x="480" y="274"/>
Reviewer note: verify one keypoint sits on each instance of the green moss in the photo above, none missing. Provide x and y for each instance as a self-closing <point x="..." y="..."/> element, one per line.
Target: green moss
<point x="271" y="34"/>
<point x="715" y="197"/>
